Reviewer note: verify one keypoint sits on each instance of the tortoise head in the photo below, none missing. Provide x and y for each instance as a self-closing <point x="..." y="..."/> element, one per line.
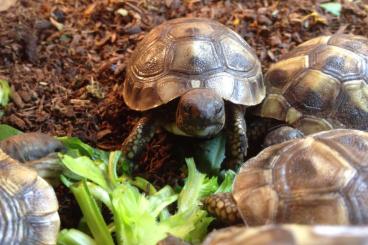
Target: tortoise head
<point x="200" y="113"/>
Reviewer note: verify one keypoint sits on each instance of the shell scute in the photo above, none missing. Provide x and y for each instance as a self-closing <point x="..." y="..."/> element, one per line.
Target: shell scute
<point x="330" y="86"/>
<point x="337" y="62"/>
<point x="354" y="43"/>
<point x="194" y="57"/>
<point x="28" y="206"/>
<point x="191" y="29"/>
<point x="237" y="56"/>
<point x="189" y="51"/>
<point x="320" y="179"/>
<point x="308" y="95"/>
<point x="151" y="61"/>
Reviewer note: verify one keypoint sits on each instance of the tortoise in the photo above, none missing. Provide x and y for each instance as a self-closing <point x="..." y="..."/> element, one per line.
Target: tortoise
<point x="28" y="204"/>
<point x="289" y="234"/>
<point x="319" y="85"/>
<point x="319" y="179"/>
<point x="192" y="76"/>
<point x="37" y="151"/>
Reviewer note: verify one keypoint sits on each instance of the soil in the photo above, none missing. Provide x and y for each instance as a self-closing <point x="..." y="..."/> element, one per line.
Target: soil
<point x="66" y="60"/>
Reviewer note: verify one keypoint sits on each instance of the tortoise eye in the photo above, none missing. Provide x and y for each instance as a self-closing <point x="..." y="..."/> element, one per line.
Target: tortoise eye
<point x="218" y="109"/>
<point x="187" y="108"/>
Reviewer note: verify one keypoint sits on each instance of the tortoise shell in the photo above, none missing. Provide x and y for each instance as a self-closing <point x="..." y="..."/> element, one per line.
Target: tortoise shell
<point x="187" y="53"/>
<point x="289" y="234"/>
<point x="321" y="179"/>
<point x="320" y="85"/>
<point x="28" y="205"/>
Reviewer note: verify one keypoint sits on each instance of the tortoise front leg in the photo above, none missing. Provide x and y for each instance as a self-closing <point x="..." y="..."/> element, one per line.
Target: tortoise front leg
<point x="237" y="142"/>
<point x="139" y="137"/>
<point x="223" y="207"/>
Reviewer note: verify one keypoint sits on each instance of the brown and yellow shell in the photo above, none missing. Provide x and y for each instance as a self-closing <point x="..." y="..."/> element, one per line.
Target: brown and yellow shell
<point x="28" y="206"/>
<point x="320" y="85"/>
<point x="289" y="235"/>
<point x="188" y="53"/>
<point x="320" y="179"/>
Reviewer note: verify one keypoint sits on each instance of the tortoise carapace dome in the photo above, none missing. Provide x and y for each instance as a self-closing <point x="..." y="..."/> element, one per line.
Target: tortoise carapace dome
<point x="28" y="205"/>
<point x="188" y="53"/>
<point x="320" y="85"/>
<point x="320" y="179"/>
<point x="291" y="234"/>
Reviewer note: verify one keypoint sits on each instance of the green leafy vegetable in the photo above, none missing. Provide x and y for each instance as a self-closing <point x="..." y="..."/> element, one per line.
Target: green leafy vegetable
<point x="332" y="7"/>
<point x="137" y="215"/>
<point x="227" y="183"/>
<point x="196" y="187"/>
<point x="86" y="168"/>
<point x="74" y="237"/>
<point x="140" y="212"/>
<point x="92" y="214"/>
<point x="78" y="148"/>
<point x="210" y="153"/>
<point x="4" y="92"/>
<point x="7" y="131"/>
<point x="99" y="194"/>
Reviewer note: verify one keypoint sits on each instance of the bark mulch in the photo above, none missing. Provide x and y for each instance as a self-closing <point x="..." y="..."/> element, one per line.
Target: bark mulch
<point x="66" y="60"/>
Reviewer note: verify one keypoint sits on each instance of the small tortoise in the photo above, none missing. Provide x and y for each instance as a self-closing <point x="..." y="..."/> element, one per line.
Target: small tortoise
<point x="189" y="75"/>
<point x="320" y="179"/>
<point x="322" y="84"/>
<point x="28" y="204"/>
<point x="289" y="235"/>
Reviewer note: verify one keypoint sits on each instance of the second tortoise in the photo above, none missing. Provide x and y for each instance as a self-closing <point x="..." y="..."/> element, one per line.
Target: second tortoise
<point x="320" y="179"/>
<point x="28" y="204"/>
<point x="321" y="84"/>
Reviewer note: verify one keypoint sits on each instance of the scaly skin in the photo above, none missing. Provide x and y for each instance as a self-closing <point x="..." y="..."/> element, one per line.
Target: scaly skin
<point x="237" y="142"/>
<point x="139" y="137"/>
<point x="37" y="151"/>
<point x="223" y="207"/>
<point x="258" y="128"/>
<point x="30" y="146"/>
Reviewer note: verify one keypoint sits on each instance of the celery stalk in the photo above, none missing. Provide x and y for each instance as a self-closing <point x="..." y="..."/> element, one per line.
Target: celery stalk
<point x="92" y="213"/>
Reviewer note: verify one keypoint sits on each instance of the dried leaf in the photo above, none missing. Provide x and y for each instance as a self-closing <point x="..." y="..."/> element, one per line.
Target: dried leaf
<point x="90" y="9"/>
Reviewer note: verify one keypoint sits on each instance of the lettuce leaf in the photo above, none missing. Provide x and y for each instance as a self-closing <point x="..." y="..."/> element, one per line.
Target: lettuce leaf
<point x="85" y="167"/>
<point x="7" y="131"/>
<point x="77" y="148"/>
<point x="136" y="215"/>
<point x="92" y="213"/>
<point x="140" y="212"/>
<point x="4" y="92"/>
<point x="74" y="237"/>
